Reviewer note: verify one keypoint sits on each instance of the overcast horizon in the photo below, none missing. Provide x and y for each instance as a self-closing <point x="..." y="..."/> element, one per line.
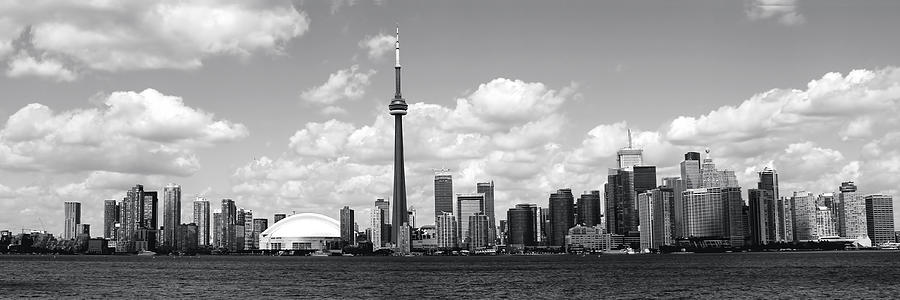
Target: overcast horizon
<point x="282" y="106"/>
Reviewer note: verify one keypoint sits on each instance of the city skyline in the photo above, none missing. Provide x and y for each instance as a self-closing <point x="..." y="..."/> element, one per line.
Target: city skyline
<point x="792" y="89"/>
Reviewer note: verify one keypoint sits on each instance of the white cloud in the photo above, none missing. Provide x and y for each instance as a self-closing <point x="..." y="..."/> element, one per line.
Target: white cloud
<point x="114" y="36"/>
<point x="25" y="65"/>
<point x="785" y="11"/>
<point x="378" y="45"/>
<point x="141" y="133"/>
<point x="346" y="84"/>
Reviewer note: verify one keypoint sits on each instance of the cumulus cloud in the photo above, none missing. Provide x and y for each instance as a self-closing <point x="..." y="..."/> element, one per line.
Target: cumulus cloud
<point x="141" y="133"/>
<point x="115" y="36"/>
<point x="785" y="11"/>
<point x="346" y="84"/>
<point x="378" y="45"/>
<point x="25" y="65"/>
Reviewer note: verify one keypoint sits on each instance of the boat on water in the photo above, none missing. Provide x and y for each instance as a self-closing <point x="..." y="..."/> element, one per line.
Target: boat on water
<point x="617" y="251"/>
<point x="146" y="253"/>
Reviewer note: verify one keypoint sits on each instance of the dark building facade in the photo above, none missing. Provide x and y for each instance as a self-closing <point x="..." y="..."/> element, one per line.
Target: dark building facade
<point x="621" y="203"/>
<point x="880" y="219"/>
<point x="589" y="209"/>
<point x="110" y="218"/>
<point x="520" y="226"/>
<point x="487" y="188"/>
<point x="443" y="194"/>
<point x="644" y="178"/>
<point x="347" y="232"/>
<point x="562" y="216"/>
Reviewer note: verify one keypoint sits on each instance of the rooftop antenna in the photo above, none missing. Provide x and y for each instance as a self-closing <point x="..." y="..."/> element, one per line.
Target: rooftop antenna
<point x="629" y="139"/>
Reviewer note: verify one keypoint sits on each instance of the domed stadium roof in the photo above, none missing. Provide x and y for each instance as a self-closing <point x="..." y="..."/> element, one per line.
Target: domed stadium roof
<point x="304" y="225"/>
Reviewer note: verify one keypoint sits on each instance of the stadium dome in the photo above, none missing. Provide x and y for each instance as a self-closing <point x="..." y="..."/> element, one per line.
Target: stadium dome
<point x="306" y="231"/>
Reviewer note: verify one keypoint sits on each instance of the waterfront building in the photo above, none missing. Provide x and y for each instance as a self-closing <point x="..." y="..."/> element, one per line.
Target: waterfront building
<point x="259" y="225"/>
<point x="520" y="227"/>
<point x="655" y="209"/>
<point x="188" y="237"/>
<point x="110" y="218"/>
<point x="589" y="209"/>
<point x="348" y="235"/>
<point x="785" y="221"/>
<point x="588" y="238"/>
<point x="851" y="212"/>
<point x="487" y="188"/>
<point x="171" y="214"/>
<point x="447" y="231"/>
<point x="880" y="218"/>
<point x="825" y="223"/>
<point x="804" y="211"/>
<point x="218" y="231"/>
<point x="397" y="109"/>
<point x="443" y="192"/>
<point x="304" y="231"/>
<point x="467" y="205"/>
<point x="83" y="229"/>
<point x="72" y="219"/>
<point x="229" y="217"/>
<point x="379" y="224"/>
<point x="715" y="213"/>
<point x="562" y="216"/>
<point x="201" y="219"/>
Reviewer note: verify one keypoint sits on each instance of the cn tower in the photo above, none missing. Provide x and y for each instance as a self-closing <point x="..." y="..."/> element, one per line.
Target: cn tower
<point x="398" y="109"/>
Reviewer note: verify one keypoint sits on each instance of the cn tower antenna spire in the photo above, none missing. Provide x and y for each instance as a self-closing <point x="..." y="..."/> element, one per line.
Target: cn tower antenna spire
<point x="397" y="49"/>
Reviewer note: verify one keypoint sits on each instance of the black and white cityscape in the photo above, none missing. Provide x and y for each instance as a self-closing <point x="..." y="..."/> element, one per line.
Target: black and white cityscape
<point x="285" y="148"/>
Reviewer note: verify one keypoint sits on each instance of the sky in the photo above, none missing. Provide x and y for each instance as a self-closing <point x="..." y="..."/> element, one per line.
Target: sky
<point x="282" y="106"/>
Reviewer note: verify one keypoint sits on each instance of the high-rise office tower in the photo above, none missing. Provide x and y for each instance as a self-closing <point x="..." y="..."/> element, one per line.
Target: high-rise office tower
<point x="763" y="217"/>
<point x="768" y="180"/>
<point x="348" y="235"/>
<point x="690" y="170"/>
<point x="249" y="242"/>
<point x="715" y="212"/>
<point x="384" y="209"/>
<point x="72" y="219"/>
<point x="655" y="209"/>
<point x="218" y="231"/>
<point x="171" y="214"/>
<point x="229" y="219"/>
<point x="589" y="210"/>
<point x="259" y="225"/>
<point x="447" y="231"/>
<point x="411" y="217"/>
<point x="521" y="227"/>
<point x="621" y="203"/>
<point x="478" y="231"/>
<point x="110" y="218"/>
<point x="880" y="218"/>
<point x="201" y="219"/>
<point x="443" y="192"/>
<point x="628" y="157"/>
<point x="803" y="214"/>
<point x="278" y="217"/>
<point x="824" y="223"/>
<point x="851" y="212"/>
<point x="467" y="205"/>
<point x="644" y="178"/>
<point x="562" y="216"/>
<point x="132" y="219"/>
<point x="398" y="110"/>
<point x="487" y="188"/>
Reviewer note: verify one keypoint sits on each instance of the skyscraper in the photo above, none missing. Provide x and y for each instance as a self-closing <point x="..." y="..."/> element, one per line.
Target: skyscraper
<point x="150" y="231"/>
<point x="690" y="170"/>
<point x="803" y="212"/>
<point x="171" y="214"/>
<point x="347" y="233"/>
<point x="487" y="188"/>
<point x="249" y="242"/>
<point x="628" y="157"/>
<point x="443" y="192"/>
<point x="715" y="212"/>
<point x="218" y="231"/>
<point x="110" y="218"/>
<point x="589" y="210"/>
<point x="478" y="231"/>
<point x="621" y="203"/>
<point x="72" y="219"/>
<point x="655" y="209"/>
<point x="880" y="218"/>
<point x="201" y="218"/>
<point x="763" y="217"/>
<point x="447" y="231"/>
<point x="825" y="223"/>
<point x="644" y="178"/>
<point x="467" y="205"/>
<point x="259" y="225"/>
<point x="520" y="223"/>
<point x="851" y="212"/>
<point x="228" y="221"/>
<point x="562" y="216"/>
<point x="381" y="229"/>
<point x="132" y="215"/>
<point x="398" y="109"/>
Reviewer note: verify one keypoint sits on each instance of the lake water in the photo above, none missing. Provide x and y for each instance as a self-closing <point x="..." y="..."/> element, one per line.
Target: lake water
<point x="728" y="275"/>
